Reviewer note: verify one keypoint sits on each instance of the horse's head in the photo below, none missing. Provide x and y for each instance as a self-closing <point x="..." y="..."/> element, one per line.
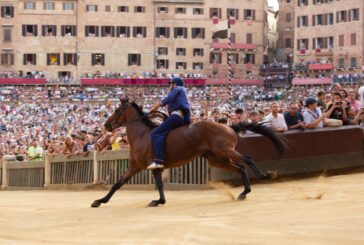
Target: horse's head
<point x="118" y="118"/>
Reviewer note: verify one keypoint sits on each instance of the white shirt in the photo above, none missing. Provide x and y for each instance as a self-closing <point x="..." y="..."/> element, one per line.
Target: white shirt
<point x="276" y="122"/>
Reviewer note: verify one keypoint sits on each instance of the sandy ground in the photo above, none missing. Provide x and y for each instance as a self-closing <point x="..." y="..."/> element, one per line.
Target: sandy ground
<point x="312" y="211"/>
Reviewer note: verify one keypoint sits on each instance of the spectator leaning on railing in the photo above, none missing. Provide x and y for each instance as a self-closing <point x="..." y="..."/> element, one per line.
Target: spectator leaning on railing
<point x="35" y="152"/>
<point x="313" y="116"/>
<point x="275" y="119"/>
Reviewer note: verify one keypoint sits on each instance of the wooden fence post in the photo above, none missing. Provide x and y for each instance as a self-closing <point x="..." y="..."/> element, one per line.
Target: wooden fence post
<point x="5" y="173"/>
<point x="96" y="168"/>
<point x="47" y="172"/>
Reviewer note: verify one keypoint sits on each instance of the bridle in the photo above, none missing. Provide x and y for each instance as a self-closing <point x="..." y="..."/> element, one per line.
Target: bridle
<point x="122" y="108"/>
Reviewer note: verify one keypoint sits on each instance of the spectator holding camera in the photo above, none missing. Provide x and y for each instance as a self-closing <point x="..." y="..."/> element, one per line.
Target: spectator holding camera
<point x="341" y="109"/>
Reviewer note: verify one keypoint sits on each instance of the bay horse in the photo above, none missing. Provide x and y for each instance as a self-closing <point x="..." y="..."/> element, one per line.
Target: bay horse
<point x="213" y="141"/>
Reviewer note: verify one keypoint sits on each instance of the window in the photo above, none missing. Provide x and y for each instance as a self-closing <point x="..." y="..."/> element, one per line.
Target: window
<point x="341" y="16"/>
<point x="249" y="38"/>
<point x="249" y="14"/>
<point x="139" y="31"/>
<point x="288" y="17"/>
<point x="162" y="51"/>
<point x="180" y="10"/>
<point x="7" y="11"/>
<point x="123" y="9"/>
<point x="91" y="8"/>
<point x="68" y="31"/>
<point x="181" y="65"/>
<point x="107" y="8"/>
<point x="180" y="51"/>
<point x="91" y="31"/>
<point x="107" y="31"/>
<point x="197" y="11"/>
<point x="7" y="34"/>
<point x="341" y="40"/>
<point x="215" y="58"/>
<point x="162" y="64"/>
<point x="341" y="63"/>
<point x="354" y="14"/>
<point x="162" y="32"/>
<point x="198" y="52"/>
<point x="330" y="42"/>
<point x="134" y="59"/>
<point x="249" y="59"/>
<point x="68" y="6"/>
<point x="198" y="33"/>
<point x="302" y="2"/>
<point x="215" y="12"/>
<point x="69" y="59"/>
<point x="288" y="43"/>
<point x="139" y="9"/>
<point x="53" y="59"/>
<point x="30" y="30"/>
<point x="98" y="59"/>
<point x="197" y="65"/>
<point x="302" y="44"/>
<point x="29" y="59"/>
<point x="49" y="30"/>
<point x="234" y="58"/>
<point x="353" y="39"/>
<point x="7" y="59"/>
<point x="302" y="21"/>
<point x="180" y="32"/>
<point x="162" y="10"/>
<point x="353" y="62"/>
<point x="330" y="19"/>
<point x="123" y="31"/>
<point x="49" y="5"/>
<point x="232" y="13"/>
<point x="29" y="5"/>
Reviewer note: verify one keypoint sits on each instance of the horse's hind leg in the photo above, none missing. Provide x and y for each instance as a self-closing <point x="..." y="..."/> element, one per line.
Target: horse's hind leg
<point x="249" y="161"/>
<point x="130" y="172"/>
<point x="157" y="173"/>
<point x="227" y="164"/>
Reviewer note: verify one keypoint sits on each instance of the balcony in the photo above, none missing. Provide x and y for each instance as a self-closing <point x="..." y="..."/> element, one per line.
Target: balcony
<point x="311" y="81"/>
<point x="240" y="46"/>
<point x="319" y="67"/>
<point x="324" y="52"/>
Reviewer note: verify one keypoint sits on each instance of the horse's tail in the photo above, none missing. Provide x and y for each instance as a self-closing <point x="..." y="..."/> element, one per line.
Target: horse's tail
<point x="259" y="128"/>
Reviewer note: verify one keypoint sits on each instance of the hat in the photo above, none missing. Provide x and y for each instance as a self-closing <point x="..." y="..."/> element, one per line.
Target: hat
<point x="178" y="81"/>
<point x="310" y="101"/>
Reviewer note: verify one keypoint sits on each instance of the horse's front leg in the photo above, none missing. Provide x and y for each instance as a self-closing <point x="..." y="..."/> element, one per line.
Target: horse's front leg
<point x="157" y="173"/>
<point x="130" y="172"/>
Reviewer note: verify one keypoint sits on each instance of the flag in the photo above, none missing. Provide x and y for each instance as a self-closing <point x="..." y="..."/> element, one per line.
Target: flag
<point x="220" y="30"/>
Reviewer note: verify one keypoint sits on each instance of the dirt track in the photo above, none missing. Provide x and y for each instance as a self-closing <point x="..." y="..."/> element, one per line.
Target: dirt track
<point x="312" y="211"/>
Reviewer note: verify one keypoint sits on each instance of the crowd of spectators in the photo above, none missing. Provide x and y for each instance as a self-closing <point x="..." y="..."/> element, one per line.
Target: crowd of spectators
<point x="38" y="119"/>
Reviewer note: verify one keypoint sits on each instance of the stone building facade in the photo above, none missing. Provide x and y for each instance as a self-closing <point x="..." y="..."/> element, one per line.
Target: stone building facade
<point x="72" y="38"/>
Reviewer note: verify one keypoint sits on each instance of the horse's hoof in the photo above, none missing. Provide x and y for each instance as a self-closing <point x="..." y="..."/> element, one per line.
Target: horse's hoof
<point x="153" y="204"/>
<point x="271" y="175"/>
<point x="95" y="204"/>
<point x="241" y="197"/>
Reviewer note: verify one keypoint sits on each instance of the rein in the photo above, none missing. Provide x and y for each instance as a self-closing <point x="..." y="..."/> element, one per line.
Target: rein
<point x="144" y="116"/>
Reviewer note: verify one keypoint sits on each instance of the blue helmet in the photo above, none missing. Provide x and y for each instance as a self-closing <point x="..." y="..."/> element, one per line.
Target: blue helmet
<point x="178" y="81"/>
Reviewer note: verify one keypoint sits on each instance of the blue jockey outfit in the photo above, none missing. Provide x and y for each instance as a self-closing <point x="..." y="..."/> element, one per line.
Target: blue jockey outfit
<point x="179" y="111"/>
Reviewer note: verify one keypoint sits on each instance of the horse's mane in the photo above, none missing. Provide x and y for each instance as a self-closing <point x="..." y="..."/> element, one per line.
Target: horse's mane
<point x="143" y="116"/>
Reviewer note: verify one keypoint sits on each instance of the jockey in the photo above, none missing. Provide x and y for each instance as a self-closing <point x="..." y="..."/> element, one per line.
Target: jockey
<point x="179" y="111"/>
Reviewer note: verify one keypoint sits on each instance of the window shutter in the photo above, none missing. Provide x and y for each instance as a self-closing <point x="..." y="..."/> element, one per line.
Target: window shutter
<point x="53" y="6"/>
<point x="54" y="30"/>
<point x="75" y="60"/>
<point x="97" y="31"/>
<point x="129" y="59"/>
<point x="349" y="15"/>
<point x="74" y="30"/>
<point x="144" y="32"/>
<point x="48" y="59"/>
<point x="102" y="31"/>
<point x="298" y="22"/>
<point x="167" y="32"/>
<point x="103" y="59"/>
<point x="2" y="58"/>
<point x="86" y="31"/>
<point x="236" y="14"/>
<point x="58" y="56"/>
<point x="24" y="59"/>
<point x="44" y="5"/>
<point x="34" y="59"/>
<point x="314" y="43"/>
<point x="35" y="28"/>
<point x="23" y="30"/>
<point x="63" y="31"/>
<point x="139" y="59"/>
<point x="96" y="8"/>
<point x="93" y="60"/>
<point x="65" y="59"/>
<point x="337" y="17"/>
<point x="11" y="59"/>
<point x="2" y="11"/>
<point x="314" y="20"/>
<point x="43" y="30"/>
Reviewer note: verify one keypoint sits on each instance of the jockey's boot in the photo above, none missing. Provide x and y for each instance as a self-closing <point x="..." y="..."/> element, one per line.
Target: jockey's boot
<point x="155" y="165"/>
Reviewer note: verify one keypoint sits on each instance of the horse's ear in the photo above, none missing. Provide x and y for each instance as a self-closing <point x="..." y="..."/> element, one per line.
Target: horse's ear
<point x="124" y="99"/>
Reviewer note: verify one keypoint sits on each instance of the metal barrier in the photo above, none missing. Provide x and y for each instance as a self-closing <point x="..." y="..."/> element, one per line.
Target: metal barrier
<point x="80" y="171"/>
